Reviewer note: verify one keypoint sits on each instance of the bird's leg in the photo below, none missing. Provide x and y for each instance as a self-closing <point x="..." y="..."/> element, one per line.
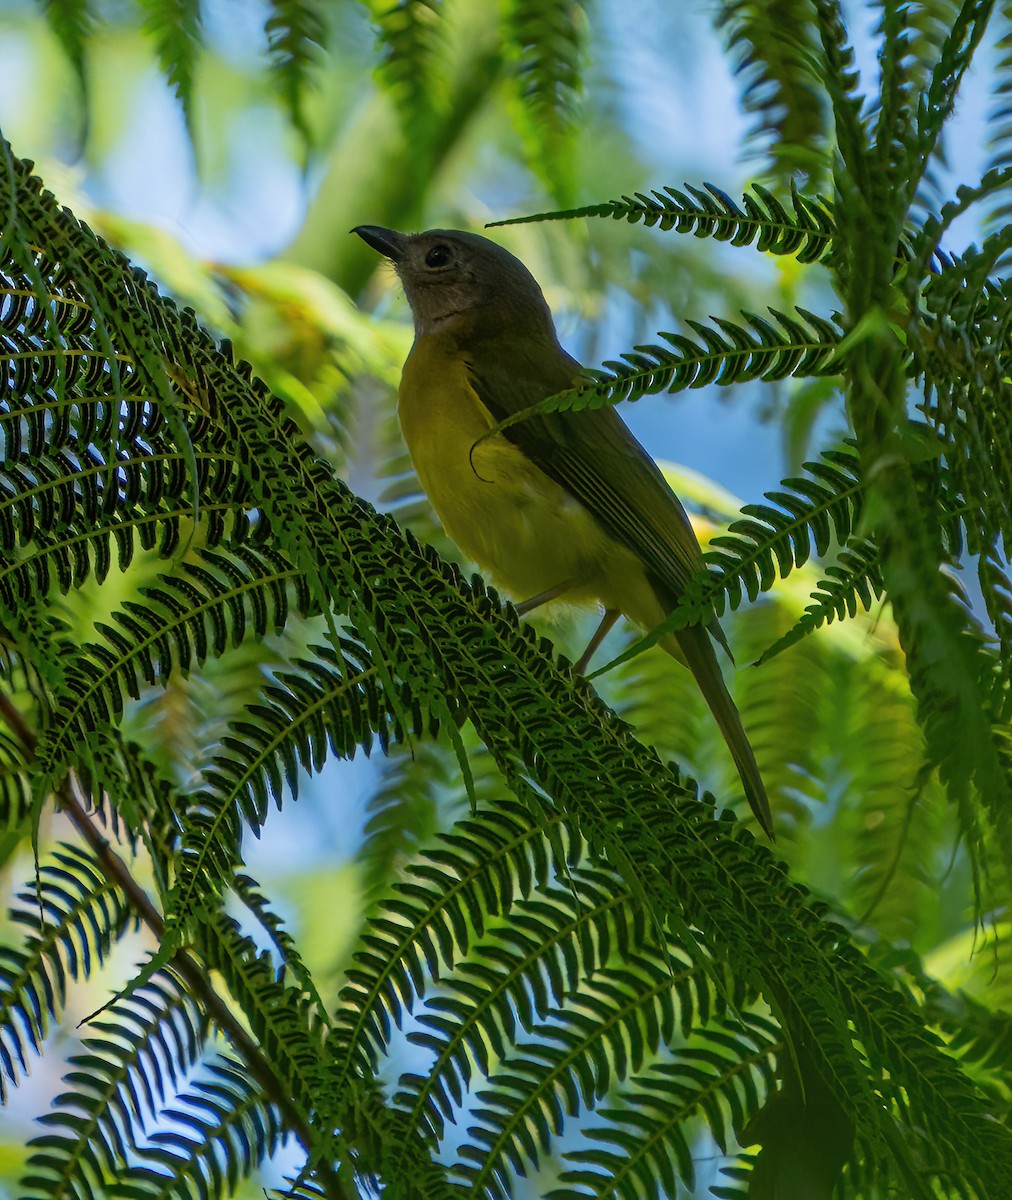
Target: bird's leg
<point x="607" y="621"/>
<point x="552" y="593"/>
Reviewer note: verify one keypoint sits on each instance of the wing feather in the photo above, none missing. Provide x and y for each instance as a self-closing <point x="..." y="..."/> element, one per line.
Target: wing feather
<point x="594" y="456"/>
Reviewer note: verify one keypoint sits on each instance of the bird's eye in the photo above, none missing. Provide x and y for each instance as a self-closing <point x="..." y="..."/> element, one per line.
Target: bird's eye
<point x="438" y="256"/>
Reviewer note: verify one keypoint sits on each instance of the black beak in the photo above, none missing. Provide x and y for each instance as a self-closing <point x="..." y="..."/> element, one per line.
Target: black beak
<point x="387" y="242"/>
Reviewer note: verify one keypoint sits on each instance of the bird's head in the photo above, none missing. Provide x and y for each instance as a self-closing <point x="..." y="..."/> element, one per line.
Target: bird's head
<point x="463" y="284"/>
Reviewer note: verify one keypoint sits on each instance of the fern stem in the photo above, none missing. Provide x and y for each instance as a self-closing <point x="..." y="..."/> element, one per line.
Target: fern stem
<point x="182" y="963"/>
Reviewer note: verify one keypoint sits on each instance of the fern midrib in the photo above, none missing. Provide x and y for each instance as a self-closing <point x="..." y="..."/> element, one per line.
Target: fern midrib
<point x="55" y="403"/>
<point x="49" y="298"/>
<point x="192" y="868"/>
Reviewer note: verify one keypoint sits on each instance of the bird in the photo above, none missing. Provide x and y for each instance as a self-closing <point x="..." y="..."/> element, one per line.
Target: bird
<point x="558" y="506"/>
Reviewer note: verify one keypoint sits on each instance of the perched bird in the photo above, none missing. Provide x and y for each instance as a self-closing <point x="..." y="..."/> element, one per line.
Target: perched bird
<point x="559" y="505"/>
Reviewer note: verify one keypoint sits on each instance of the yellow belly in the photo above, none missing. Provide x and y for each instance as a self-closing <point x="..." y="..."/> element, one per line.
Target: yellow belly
<point x="514" y="521"/>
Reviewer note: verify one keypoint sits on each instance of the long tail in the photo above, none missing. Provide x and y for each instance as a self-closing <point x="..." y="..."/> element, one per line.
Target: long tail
<point x="697" y="651"/>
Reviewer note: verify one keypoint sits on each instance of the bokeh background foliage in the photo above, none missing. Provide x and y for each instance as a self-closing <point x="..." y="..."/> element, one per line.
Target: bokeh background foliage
<point x="504" y="944"/>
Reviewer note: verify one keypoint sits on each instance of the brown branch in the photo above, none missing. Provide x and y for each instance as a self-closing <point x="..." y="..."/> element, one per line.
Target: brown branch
<point x="182" y="963"/>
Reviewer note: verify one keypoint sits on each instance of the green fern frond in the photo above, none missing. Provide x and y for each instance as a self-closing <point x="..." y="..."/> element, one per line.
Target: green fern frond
<point x="735" y="1179"/>
<point x="913" y="38"/>
<point x="296" y="34"/>
<point x="417" y="791"/>
<point x="331" y="704"/>
<point x="545" y="41"/>
<point x="949" y="665"/>
<point x="404" y="809"/>
<point x="525" y="969"/>
<point x="925" y="244"/>
<point x="284" y="945"/>
<point x="1000" y="116"/>
<point x="145" y="811"/>
<point x="843" y="84"/>
<point x="773" y="48"/>
<point x="898" y="87"/>
<point x="15" y="782"/>
<point x="388" y="1152"/>
<point x="63" y="559"/>
<point x="608" y="1028"/>
<point x="996" y="589"/>
<point x="968" y="404"/>
<point x="939" y="98"/>
<point x="198" y="613"/>
<point x="812" y="513"/>
<point x="175" y="27"/>
<point x="979" y="1036"/>
<point x="409" y="42"/>
<point x="72" y="22"/>
<point x="223" y="1128"/>
<point x="473" y="874"/>
<point x="142" y="1049"/>
<point x="853" y="583"/>
<point x="727" y="352"/>
<point x="762" y="220"/>
<point x="85" y="913"/>
<point x="288" y="1026"/>
<point x="89" y="458"/>
<point x="893" y="811"/>
<point x="780" y="706"/>
<point x="722" y="1074"/>
<point x="555" y="743"/>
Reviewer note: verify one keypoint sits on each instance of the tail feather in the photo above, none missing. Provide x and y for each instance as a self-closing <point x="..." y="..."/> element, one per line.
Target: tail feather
<point x="698" y="653"/>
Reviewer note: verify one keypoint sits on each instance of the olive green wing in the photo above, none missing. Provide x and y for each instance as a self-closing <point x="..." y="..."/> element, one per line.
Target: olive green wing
<point x="594" y="456"/>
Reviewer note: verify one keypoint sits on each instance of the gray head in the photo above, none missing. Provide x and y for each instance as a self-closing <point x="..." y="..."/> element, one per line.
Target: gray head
<point x="463" y="284"/>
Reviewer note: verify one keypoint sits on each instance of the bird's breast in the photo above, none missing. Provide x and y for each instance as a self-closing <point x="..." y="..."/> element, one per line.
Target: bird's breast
<point x="502" y="511"/>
